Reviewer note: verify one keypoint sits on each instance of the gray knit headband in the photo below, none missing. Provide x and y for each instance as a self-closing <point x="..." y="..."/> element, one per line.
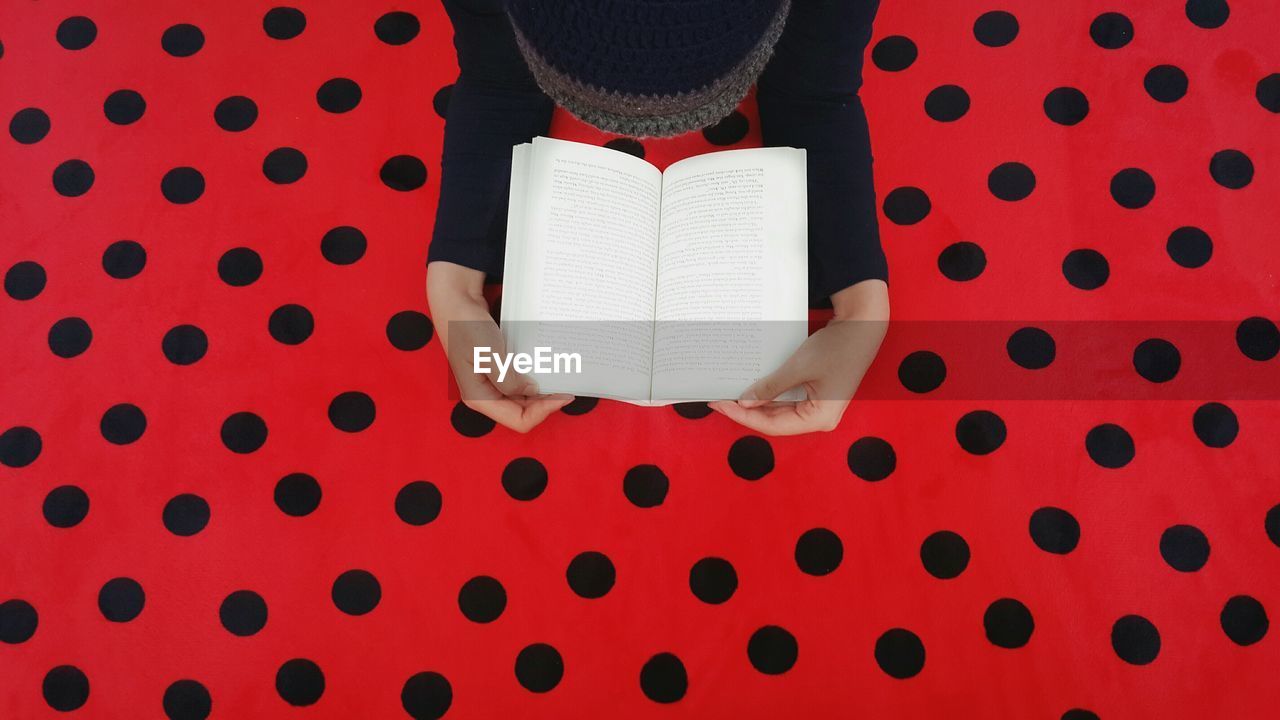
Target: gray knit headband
<point x="642" y="116"/>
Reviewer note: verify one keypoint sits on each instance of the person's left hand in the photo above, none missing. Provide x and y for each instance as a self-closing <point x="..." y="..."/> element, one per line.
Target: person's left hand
<point x="829" y="366"/>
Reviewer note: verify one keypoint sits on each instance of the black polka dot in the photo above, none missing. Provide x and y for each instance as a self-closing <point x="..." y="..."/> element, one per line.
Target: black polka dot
<point x="1157" y="360"/>
<point x="1271" y="525"/>
<point x="124" y="259"/>
<point x="19" y="446"/>
<point x="996" y="28"/>
<point x="629" y="146"/>
<point x="1109" y="445"/>
<point x="29" y="126"/>
<point x="343" y="245"/>
<point x="186" y="515"/>
<point x="18" y="621"/>
<point x="980" y="432"/>
<point x="1244" y="620"/>
<point x="663" y="678"/>
<point x="1111" y="31"/>
<point x="240" y="266"/>
<point x="69" y="337"/>
<point x="1165" y="83"/>
<point x="962" y="261"/>
<point x="1031" y="348"/>
<point x="1011" y="181"/>
<point x="713" y="580"/>
<point x="284" y="165"/>
<point x="1215" y="424"/>
<point x="440" y="102"/>
<point x="819" y="552"/>
<point x="243" y="432"/>
<point x="729" y="130"/>
<point x="1184" y="547"/>
<point x="182" y="185"/>
<point x="1066" y="106"/>
<point x="300" y="682"/>
<point x="284" y="23"/>
<point x="772" y="650"/>
<point x="872" y="458"/>
<point x="906" y="205"/>
<point x="297" y="494"/>
<point x="397" y="28"/>
<point x="418" y="503"/>
<point x="65" y="688"/>
<point x="121" y="599"/>
<point x="25" y="280"/>
<point x="236" y="113"/>
<point x="352" y="411"/>
<point x="403" y="173"/>
<point x="1258" y="338"/>
<point x="123" y="424"/>
<point x="356" y="592"/>
<point x="184" y="344"/>
<point x="76" y="33"/>
<point x="338" y="95"/>
<point x="1086" y="269"/>
<point x="1189" y="247"/>
<point x="894" y="53"/>
<point x="539" y="668"/>
<point x="944" y="554"/>
<point x="1135" y="640"/>
<point x="1079" y="714"/>
<point x="580" y="406"/>
<point x="1268" y="92"/>
<point x="1054" y="530"/>
<point x="645" y="486"/>
<point x="73" y="178"/>
<point x="524" y="478"/>
<point x="1208" y="14"/>
<point x="243" y="613"/>
<point x="482" y="599"/>
<point x="182" y="40"/>
<point x="426" y="696"/>
<point x="591" y="575"/>
<point x="291" y="324"/>
<point x="922" y="371"/>
<point x="1008" y="623"/>
<point x="899" y="653"/>
<point x="692" y="410"/>
<point x="946" y="103"/>
<point x="1231" y="169"/>
<point x="65" y="506"/>
<point x="187" y="700"/>
<point x="470" y="423"/>
<point x="409" y="330"/>
<point x="751" y="457"/>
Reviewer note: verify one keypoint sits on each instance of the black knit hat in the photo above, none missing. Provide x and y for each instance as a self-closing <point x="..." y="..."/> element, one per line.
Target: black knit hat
<point x="647" y="68"/>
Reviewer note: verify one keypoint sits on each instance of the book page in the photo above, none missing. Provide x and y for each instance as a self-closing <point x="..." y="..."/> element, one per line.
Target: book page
<point x="732" y="284"/>
<point x="583" y="270"/>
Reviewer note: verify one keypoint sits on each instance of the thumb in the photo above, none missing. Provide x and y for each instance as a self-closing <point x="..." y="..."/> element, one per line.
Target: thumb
<point x="773" y="385"/>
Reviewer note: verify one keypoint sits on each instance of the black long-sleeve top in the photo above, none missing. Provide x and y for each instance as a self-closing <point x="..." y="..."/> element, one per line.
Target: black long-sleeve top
<point x="807" y="98"/>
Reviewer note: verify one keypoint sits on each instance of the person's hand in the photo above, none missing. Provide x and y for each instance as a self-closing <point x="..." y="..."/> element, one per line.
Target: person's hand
<point x="829" y="366"/>
<point x="461" y="317"/>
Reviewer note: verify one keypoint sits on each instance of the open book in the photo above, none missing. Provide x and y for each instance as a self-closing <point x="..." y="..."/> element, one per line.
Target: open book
<point x="684" y="285"/>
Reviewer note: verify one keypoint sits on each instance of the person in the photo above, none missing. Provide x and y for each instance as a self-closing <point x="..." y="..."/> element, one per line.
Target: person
<point x="658" y="68"/>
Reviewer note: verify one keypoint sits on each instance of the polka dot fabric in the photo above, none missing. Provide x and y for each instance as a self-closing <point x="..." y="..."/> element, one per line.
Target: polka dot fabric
<point x="234" y="481"/>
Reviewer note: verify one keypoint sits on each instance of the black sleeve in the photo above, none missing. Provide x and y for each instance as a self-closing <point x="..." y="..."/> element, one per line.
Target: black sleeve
<point x="808" y="98"/>
<point x="495" y="104"/>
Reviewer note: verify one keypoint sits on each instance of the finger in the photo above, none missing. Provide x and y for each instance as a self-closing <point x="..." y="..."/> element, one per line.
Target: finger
<point x="514" y="384"/>
<point x="520" y="416"/>
<point x="775" y="420"/>
<point x="774" y="384"/>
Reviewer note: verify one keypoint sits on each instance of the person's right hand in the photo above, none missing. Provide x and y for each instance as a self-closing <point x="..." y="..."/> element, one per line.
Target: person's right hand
<point x="462" y="320"/>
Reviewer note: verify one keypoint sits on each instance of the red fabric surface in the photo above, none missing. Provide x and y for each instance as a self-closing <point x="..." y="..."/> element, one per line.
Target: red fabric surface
<point x="1069" y="661"/>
